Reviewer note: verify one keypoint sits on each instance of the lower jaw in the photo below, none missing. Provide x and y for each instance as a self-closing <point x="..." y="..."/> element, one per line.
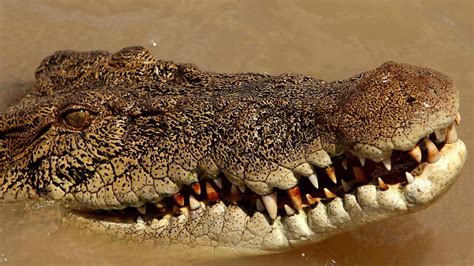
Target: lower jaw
<point x="231" y="230"/>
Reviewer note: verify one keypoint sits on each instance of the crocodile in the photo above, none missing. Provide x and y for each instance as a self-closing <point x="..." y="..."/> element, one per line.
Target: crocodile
<point x="165" y="154"/>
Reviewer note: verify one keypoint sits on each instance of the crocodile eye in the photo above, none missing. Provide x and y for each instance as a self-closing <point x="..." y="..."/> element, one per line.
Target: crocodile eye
<point x="77" y="119"/>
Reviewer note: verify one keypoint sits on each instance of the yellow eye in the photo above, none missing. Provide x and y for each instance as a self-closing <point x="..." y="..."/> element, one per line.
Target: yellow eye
<point x="78" y="119"/>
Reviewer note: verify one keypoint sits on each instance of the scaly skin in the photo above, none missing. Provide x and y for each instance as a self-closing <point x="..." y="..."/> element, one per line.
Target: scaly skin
<point x="103" y="131"/>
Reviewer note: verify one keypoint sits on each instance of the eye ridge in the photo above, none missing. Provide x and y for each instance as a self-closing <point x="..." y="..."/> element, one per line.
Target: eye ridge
<point x="78" y="119"/>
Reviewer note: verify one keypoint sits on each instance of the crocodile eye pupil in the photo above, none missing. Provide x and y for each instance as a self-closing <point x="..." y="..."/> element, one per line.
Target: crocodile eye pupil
<point x="78" y="119"/>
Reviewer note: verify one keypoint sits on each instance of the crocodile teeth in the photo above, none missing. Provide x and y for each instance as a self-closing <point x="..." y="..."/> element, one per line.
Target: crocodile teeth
<point x="312" y="200"/>
<point x="184" y="211"/>
<point x="433" y="153"/>
<point x="218" y="182"/>
<point x="362" y="161"/>
<point x="295" y="196"/>
<point x="196" y="188"/>
<point x="451" y="135"/>
<point x="242" y="188"/>
<point x="289" y="211"/>
<point x="142" y="209"/>
<point x="359" y="174"/>
<point x="179" y="199"/>
<point x="332" y="175"/>
<point x="345" y="186"/>
<point x="260" y="206"/>
<point x="415" y="153"/>
<point x="193" y="203"/>
<point x="387" y="163"/>
<point x="410" y="177"/>
<point x="314" y="180"/>
<point x="440" y="135"/>
<point x="212" y="195"/>
<point x="270" y="202"/>
<point x="329" y="194"/>
<point x="160" y="206"/>
<point x="344" y="163"/>
<point x="382" y="184"/>
<point x="457" y="119"/>
<point x="140" y="220"/>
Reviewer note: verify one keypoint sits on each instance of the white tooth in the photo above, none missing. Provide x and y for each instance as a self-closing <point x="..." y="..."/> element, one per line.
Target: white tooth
<point x="410" y="177"/>
<point x="242" y="188"/>
<point x="345" y="186"/>
<point x="218" y="182"/>
<point x="289" y="210"/>
<point x="344" y="163"/>
<point x="451" y="135"/>
<point x="362" y="161"/>
<point x="457" y="119"/>
<point x="314" y="180"/>
<point x="160" y="206"/>
<point x="140" y="220"/>
<point x="142" y="209"/>
<point x="270" y="202"/>
<point x="193" y="203"/>
<point x="440" y="135"/>
<point x="260" y="206"/>
<point x="184" y="211"/>
<point x="387" y="163"/>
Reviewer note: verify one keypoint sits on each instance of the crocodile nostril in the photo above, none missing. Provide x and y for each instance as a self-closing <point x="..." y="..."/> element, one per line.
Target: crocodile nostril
<point x="411" y="99"/>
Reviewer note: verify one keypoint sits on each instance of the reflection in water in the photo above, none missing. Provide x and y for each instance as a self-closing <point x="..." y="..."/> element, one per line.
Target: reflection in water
<point x="327" y="40"/>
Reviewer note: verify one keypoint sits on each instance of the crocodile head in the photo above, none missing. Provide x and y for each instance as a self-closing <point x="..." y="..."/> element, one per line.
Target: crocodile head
<point x="163" y="153"/>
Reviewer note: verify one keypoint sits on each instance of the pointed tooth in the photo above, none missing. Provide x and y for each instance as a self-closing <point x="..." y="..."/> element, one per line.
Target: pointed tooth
<point x="312" y="200"/>
<point x="415" y="153"/>
<point x="160" y="206"/>
<point x="458" y="119"/>
<point x="329" y="194"/>
<point x="314" y="180"/>
<point x="193" y="203"/>
<point x="382" y="184"/>
<point x="260" y="207"/>
<point x="179" y="199"/>
<point x="451" y="135"/>
<point x="295" y="196"/>
<point x="218" y="182"/>
<point x="410" y="177"/>
<point x="331" y="173"/>
<point x="142" y="209"/>
<point x="440" y="135"/>
<point x="345" y="186"/>
<point x="211" y="192"/>
<point x="242" y="188"/>
<point x="270" y="202"/>
<point x="184" y="211"/>
<point x="140" y="220"/>
<point x="387" y="163"/>
<point x="433" y="153"/>
<point x="289" y="211"/>
<point x="362" y="161"/>
<point x="359" y="174"/>
<point x="196" y="188"/>
<point x="344" y="163"/>
<point x="234" y="194"/>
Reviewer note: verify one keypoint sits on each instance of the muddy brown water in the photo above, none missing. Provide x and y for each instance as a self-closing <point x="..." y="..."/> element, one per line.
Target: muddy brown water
<point x="324" y="39"/>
